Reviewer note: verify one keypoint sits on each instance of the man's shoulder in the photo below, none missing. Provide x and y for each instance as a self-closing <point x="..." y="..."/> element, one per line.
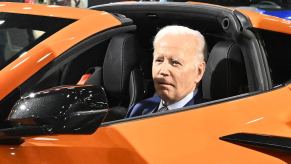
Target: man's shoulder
<point x="144" y="107"/>
<point x="154" y="99"/>
<point x="149" y="105"/>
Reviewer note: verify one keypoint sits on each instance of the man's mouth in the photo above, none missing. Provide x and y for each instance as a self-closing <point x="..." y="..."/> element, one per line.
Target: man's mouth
<point x="164" y="83"/>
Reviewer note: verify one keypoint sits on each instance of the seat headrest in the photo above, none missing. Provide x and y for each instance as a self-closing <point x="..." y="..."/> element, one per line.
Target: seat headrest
<point x="120" y="59"/>
<point x="225" y="73"/>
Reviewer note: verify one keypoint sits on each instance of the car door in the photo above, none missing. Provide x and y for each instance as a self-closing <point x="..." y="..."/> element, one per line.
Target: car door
<point x="192" y="134"/>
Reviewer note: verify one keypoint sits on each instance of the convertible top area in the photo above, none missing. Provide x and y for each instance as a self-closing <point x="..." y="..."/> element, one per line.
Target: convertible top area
<point x="216" y="23"/>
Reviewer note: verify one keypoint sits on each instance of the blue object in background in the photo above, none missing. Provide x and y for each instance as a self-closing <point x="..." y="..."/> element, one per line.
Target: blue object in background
<point x="286" y="14"/>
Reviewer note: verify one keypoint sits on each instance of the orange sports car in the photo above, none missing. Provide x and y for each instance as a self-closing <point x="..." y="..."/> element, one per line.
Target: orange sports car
<point x="69" y="75"/>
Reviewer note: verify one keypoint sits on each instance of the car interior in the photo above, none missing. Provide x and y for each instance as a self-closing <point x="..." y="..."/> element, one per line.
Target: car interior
<point x="225" y="74"/>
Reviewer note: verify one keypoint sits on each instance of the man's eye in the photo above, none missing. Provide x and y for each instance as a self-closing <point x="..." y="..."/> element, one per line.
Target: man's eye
<point x="159" y="60"/>
<point x="175" y="63"/>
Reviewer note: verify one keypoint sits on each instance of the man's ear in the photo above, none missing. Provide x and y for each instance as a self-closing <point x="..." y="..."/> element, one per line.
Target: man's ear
<point x="200" y="71"/>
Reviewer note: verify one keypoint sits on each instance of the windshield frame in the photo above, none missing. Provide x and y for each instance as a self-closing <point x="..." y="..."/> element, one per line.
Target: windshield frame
<point x="26" y="23"/>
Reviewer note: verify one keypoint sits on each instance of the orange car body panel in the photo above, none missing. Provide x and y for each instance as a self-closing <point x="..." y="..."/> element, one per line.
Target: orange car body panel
<point x="183" y="140"/>
<point x="259" y="20"/>
<point x="191" y="136"/>
<point x="267" y="22"/>
<point x="36" y="58"/>
<point x="45" y="10"/>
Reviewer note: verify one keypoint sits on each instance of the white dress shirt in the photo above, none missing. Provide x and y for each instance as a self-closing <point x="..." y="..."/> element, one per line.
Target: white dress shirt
<point x="180" y="103"/>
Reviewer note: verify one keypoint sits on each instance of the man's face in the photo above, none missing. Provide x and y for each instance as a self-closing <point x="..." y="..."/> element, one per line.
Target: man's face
<point x="176" y="69"/>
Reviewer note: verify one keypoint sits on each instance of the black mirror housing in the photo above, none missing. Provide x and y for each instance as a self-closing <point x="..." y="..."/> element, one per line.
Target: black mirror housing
<point x="58" y="110"/>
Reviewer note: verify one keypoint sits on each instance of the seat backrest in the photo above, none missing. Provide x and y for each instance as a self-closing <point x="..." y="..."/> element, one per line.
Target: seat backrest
<point x="120" y="60"/>
<point x="225" y="73"/>
<point x="121" y="77"/>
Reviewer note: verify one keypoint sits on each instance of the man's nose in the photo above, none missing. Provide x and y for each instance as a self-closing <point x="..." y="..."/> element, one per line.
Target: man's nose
<point x="164" y="69"/>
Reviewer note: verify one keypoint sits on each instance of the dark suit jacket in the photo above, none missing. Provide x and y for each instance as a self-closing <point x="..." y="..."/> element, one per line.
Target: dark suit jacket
<point x="151" y="105"/>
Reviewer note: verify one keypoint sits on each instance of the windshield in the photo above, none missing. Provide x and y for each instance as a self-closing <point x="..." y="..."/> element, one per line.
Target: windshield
<point x="20" y="32"/>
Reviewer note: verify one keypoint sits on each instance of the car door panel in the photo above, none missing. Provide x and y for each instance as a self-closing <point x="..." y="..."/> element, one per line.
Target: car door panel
<point x="187" y="136"/>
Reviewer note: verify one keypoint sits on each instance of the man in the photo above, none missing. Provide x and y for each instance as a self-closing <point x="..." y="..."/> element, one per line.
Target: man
<point x="178" y="66"/>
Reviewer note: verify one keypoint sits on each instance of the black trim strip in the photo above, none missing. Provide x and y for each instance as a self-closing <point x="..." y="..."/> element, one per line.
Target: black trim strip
<point x="11" y="140"/>
<point x="268" y="142"/>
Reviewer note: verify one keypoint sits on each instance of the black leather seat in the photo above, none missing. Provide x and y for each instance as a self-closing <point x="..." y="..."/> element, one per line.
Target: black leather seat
<point x="225" y="73"/>
<point x="120" y="75"/>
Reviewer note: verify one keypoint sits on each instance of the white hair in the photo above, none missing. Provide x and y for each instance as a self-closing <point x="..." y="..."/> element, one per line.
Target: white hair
<point x="182" y="30"/>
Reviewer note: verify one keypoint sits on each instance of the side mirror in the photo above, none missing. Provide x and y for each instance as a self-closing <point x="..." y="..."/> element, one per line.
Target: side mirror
<point x="59" y="110"/>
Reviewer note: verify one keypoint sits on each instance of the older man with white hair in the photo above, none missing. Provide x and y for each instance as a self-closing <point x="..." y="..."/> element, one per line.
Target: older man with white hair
<point x="178" y="66"/>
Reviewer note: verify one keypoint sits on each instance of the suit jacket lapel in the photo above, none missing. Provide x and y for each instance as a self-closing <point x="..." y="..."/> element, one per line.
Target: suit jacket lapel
<point x="154" y="108"/>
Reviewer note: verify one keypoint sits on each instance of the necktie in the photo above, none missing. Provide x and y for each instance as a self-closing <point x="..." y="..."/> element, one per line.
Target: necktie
<point x="163" y="108"/>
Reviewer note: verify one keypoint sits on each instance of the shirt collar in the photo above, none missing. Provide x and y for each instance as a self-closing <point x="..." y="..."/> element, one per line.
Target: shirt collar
<point x="182" y="102"/>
